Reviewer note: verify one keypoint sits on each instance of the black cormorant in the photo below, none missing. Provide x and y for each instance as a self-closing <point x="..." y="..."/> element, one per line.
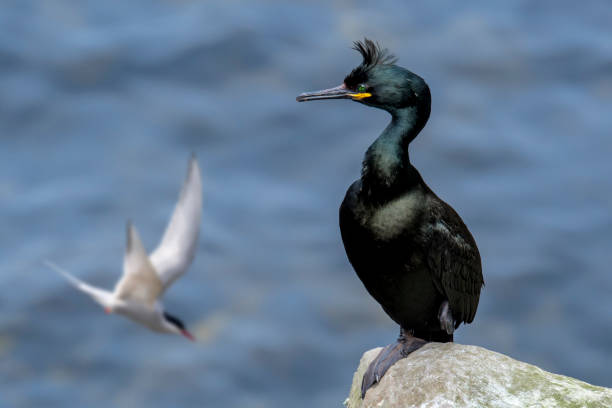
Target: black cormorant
<point x="410" y="249"/>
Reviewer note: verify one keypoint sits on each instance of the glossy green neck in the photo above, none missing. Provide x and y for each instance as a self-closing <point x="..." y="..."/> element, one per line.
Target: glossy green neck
<point x="386" y="165"/>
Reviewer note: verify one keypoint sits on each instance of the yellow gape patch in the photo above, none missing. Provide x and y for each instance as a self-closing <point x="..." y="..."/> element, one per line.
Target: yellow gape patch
<point x="359" y="96"/>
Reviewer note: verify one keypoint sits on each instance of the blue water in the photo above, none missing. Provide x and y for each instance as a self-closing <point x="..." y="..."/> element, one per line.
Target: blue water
<point x="101" y="104"/>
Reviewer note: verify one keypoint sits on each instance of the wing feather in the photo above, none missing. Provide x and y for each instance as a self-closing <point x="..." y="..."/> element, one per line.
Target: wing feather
<point x="454" y="261"/>
<point x="139" y="281"/>
<point x="177" y="248"/>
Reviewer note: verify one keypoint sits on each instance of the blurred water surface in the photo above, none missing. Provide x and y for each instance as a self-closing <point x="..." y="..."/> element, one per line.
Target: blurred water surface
<point x="101" y="104"/>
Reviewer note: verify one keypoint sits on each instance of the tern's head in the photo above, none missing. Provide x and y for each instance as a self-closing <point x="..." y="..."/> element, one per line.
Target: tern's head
<point x="176" y="326"/>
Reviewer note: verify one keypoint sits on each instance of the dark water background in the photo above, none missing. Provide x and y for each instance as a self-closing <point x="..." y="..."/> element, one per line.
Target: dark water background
<point x="101" y="104"/>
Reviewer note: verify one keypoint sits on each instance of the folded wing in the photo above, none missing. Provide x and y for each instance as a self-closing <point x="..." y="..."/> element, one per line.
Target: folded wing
<point x="454" y="262"/>
<point x="178" y="246"/>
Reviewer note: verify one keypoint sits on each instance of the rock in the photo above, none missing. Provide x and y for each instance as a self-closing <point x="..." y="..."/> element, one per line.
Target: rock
<point x="454" y="375"/>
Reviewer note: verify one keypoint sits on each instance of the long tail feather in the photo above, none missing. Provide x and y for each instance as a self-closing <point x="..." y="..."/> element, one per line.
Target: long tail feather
<point x="101" y="296"/>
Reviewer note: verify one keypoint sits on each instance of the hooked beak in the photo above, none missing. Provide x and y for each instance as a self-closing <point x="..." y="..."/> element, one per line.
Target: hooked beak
<point x="339" y="92"/>
<point x="187" y="334"/>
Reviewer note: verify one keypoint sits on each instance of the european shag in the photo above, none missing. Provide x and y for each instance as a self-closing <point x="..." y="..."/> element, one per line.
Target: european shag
<point x="410" y="249"/>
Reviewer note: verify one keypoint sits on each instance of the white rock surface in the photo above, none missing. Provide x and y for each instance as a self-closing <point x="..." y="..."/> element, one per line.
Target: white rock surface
<point x="454" y="375"/>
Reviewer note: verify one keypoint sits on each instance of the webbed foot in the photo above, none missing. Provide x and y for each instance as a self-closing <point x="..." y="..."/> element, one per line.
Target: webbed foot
<point x="388" y="356"/>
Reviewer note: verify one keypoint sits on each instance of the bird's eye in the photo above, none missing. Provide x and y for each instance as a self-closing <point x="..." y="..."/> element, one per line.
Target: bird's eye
<point x="361" y="88"/>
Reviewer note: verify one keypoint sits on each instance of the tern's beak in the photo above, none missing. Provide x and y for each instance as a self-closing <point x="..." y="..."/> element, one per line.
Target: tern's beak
<point x="108" y="310"/>
<point x="187" y="334"/>
<point x="339" y="92"/>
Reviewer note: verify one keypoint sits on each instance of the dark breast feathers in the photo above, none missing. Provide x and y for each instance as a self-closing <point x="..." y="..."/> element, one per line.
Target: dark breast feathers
<point x="411" y="253"/>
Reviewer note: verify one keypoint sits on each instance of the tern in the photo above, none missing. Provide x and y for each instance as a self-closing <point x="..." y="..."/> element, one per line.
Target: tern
<point x="145" y="278"/>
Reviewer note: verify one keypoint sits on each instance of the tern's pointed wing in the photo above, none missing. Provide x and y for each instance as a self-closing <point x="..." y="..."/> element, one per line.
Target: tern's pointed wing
<point x="139" y="281"/>
<point x="101" y="296"/>
<point x="177" y="248"/>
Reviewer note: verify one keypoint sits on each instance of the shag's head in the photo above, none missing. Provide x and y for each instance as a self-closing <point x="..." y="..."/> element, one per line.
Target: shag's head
<point x="378" y="82"/>
<point x="175" y="325"/>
